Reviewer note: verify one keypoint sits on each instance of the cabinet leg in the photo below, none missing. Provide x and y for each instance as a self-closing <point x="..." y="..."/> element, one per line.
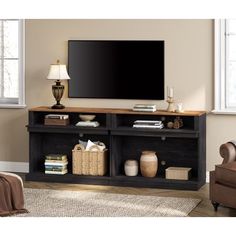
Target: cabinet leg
<point x="215" y="205"/>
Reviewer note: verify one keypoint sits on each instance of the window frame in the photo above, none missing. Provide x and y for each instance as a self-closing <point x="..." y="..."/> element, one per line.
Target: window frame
<point x="220" y="78"/>
<point x="9" y="102"/>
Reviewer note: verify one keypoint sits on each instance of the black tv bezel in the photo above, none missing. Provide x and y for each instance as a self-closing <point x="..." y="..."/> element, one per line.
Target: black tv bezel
<point x="119" y="40"/>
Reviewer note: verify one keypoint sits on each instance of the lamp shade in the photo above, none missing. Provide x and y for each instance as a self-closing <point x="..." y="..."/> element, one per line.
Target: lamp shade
<point x="58" y="72"/>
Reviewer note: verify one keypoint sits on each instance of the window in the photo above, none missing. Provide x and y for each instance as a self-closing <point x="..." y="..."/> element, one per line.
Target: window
<point x="225" y="66"/>
<point x="12" y="63"/>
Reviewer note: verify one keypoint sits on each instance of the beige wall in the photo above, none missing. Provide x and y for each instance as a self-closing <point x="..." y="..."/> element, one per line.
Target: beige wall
<point x="188" y="68"/>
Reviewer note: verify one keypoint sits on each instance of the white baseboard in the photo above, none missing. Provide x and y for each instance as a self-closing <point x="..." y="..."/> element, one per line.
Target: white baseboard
<point x="22" y="167"/>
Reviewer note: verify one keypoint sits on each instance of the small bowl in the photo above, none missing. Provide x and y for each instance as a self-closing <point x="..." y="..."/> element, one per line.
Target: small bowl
<point x="87" y="117"/>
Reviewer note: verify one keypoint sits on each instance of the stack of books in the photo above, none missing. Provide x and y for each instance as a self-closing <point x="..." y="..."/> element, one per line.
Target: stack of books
<point x="56" y="164"/>
<point x="157" y="124"/>
<point x="145" y="107"/>
<point x="56" y="119"/>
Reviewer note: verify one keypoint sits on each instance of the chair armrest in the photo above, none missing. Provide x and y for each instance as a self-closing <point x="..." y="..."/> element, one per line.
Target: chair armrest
<point x="228" y="152"/>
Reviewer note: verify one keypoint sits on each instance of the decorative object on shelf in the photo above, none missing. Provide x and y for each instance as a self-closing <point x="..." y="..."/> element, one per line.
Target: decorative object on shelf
<point x="145" y="107"/>
<point x="178" y="123"/>
<point x="179" y="108"/>
<point x="148" y="164"/>
<point x="181" y="173"/>
<point x="87" y="124"/>
<point x="157" y="124"/>
<point x="58" y="72"/>
<point x="101" y="146"/>
<point x="90" y="162"/>
<point x="87" y="118"/>
<point x="170" y="125"/>
<point x="87" y="121"/>
<point x="170" y="99"/>
<point x="181" y="124"/>
<point x="131" y="167"/>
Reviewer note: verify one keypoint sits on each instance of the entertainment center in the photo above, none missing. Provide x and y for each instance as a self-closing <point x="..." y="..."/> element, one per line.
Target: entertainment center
<point x="184" y="147"/>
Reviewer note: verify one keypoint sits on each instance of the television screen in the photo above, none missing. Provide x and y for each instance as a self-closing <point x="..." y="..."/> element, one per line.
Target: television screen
<point x="116" y="69"/>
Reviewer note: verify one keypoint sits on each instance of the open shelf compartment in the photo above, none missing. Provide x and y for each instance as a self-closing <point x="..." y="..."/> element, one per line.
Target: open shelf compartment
<point x="127" y="120"/>
<point x="43" y="144"/>
<point x="171" y="152"/>
<point x="37" y="118"/>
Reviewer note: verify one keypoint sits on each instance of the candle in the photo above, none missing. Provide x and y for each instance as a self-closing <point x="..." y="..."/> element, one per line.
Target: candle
<point x="170" y="92"/>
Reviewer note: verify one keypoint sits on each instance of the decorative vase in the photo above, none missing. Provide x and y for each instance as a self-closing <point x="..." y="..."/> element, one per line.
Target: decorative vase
<point x="148" y="164"/>
<point x="131" y="168"/>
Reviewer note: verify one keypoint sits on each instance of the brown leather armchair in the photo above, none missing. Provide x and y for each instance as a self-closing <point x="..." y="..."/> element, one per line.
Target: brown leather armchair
<point x="223" y="179"/>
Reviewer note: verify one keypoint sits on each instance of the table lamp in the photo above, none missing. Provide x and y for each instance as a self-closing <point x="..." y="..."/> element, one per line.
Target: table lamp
<point x="58" y="72"/>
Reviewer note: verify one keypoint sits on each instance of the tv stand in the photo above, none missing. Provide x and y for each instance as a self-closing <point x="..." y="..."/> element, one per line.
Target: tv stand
<point x="184" y="147"/>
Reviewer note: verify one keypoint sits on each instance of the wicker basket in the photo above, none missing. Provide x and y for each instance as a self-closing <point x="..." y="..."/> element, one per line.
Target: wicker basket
<point x="92" y="162"/>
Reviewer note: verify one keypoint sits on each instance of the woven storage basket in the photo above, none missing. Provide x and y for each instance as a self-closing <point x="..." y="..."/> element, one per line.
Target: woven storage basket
<point x="92" y="162"/>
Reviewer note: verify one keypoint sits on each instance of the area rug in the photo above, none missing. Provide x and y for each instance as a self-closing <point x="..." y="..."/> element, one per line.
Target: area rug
<point x="60" y="203"/>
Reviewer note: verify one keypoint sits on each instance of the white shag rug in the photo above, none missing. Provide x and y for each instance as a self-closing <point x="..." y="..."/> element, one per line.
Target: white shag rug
<point x="61" y="203"/>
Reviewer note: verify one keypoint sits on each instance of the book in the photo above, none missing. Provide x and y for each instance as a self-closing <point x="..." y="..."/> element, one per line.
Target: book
<point x="56" y="172"/>
<point x="56" y="168"/>
<point x="57" y="116"/>
<point x="48" y="163"/>
<point x="148" y="126"/>
<point x="145" y="106"/>
<point x="56" y="162"/>
<point x="145" y="109"/>
<point x="56" y="157"/>
<point x="147" y="122"/>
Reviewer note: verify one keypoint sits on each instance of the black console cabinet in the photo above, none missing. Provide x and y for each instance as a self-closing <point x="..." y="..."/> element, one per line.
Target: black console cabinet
<point x="184" y="147"/>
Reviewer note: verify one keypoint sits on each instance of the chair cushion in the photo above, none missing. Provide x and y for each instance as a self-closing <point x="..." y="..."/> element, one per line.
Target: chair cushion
<point x="226" y="174"/>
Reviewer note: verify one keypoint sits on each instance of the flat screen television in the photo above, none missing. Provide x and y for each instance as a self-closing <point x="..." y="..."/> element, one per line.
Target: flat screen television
<point x="116" y="69"/>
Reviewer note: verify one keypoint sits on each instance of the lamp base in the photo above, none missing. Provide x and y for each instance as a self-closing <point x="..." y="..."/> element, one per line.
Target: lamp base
<point x="58" y="106"/>
<point x="57" y="91"/>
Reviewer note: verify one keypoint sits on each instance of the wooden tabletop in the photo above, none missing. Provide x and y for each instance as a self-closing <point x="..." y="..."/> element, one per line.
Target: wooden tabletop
<point x="115" y="111"/>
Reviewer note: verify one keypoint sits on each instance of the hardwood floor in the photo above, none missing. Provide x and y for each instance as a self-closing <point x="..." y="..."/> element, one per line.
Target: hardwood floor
<point x="204" y="209"/>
